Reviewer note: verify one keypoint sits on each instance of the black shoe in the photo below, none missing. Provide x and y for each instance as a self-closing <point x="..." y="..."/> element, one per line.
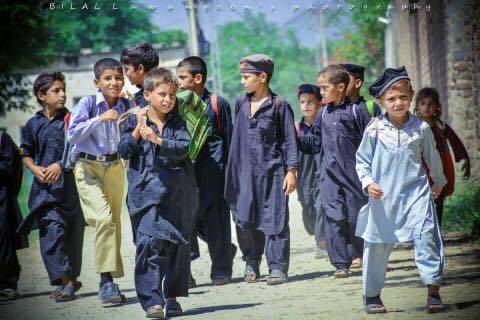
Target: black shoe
<point x="172" y="309"/>
<point x="110" y="294"/>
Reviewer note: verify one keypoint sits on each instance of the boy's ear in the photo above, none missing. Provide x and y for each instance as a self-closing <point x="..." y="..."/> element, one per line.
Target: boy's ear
<point x="95" y="81"/>
<point x="41" y="95"/>
<point x="141" y="68"/>
<point x="146" y="95"/>
<point x="341" y="87"/>
<point x="358" y="83"/>
<point x="198" y="78"/>
<point x="263" y="77"/>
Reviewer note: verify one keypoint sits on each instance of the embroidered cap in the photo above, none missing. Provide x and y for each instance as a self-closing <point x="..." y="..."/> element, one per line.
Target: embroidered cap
<point x="388" y="77"/>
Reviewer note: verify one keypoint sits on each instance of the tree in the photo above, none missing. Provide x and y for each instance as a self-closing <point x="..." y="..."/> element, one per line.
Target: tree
<point x="294" y="65"/>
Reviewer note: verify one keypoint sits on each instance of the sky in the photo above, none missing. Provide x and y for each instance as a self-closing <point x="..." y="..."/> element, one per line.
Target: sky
<point x="303" y="21"/>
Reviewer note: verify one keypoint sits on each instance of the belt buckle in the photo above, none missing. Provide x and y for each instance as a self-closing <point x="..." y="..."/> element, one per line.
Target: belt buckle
<point x="102" y="157"/>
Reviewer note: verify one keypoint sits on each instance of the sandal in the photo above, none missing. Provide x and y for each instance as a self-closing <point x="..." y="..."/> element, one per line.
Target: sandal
<point x="435" y="304"/>
<point x="252" y="272"/>
<point x="374" y="305"/>
<point x="356" y="264"/>
<point x="8" y="294"/>
<point x="155" y="312"/>
<point x="67" y="294"/>
<point x="173" y="308"/>
<point x="277" y="277"/>
<point x="341" y="273"/>
<point x="58" y="290"/>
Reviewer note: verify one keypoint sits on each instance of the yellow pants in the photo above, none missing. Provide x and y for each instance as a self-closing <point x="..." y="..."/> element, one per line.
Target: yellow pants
<point x="100" y="190"/>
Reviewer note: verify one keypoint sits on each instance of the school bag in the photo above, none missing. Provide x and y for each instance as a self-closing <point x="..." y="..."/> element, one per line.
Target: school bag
<point x="17" y="167"/>
<point x="370" y="108"/>
<point x="67" y="162"/>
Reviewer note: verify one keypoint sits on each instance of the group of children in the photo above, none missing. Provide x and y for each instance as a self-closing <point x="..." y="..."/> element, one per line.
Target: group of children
<point x="365" y="180"/>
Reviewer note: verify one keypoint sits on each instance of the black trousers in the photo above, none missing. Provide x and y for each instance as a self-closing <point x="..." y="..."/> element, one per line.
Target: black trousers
<point x="342" y="244"/>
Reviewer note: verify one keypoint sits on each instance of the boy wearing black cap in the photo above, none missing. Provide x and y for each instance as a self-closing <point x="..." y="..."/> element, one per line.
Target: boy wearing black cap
<point x="356" y="74"/>
<point x="401" y="206"/>
<point x="213" y="218"/>
<point x="261" y="171"/>
<point x="308" y="177"/>
<point x="335" y="136"/>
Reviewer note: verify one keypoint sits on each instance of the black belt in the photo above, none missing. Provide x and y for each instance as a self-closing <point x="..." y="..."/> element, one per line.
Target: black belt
<point x="103" y="157"/>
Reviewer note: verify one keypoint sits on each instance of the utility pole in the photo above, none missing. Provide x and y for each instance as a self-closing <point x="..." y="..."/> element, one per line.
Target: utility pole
<point x="323" y="39"/>
<point x="192" y="30"/>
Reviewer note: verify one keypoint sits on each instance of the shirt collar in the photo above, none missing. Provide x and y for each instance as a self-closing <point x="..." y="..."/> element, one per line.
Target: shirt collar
<point x="388" y="123"/>
<point x="61" y="113"/>
<point x="100" y="98"/>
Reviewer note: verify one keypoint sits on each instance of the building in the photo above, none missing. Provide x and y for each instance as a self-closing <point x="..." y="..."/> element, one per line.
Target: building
<point x="439" y="43"/>
<point x="78" y="71"/>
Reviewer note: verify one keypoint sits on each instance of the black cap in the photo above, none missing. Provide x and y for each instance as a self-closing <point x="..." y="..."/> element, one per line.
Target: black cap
<point x="257" y="63"/>
<point x="355" y="70"/>
<point x="388" y="77"/>
<point x="309" y="88"/>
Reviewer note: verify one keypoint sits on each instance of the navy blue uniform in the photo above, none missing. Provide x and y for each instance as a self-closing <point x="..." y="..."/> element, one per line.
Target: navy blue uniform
<point x="140" y="99"/>
<point x="54" y="208"/>
<point x="308" y="190"/>
<point x="162" y="200"/>
<point x="263" y="148"/>
<point x="10" y="216"/>
<point x="335" y="135"/>
<point x="213" y="217"/>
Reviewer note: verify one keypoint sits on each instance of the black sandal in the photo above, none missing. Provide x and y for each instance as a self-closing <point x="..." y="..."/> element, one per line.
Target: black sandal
<point x="374" y="305"/>
<point x="67" y="294"/>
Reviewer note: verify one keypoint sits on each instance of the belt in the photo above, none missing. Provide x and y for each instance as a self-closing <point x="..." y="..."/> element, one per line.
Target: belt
<point x="102" y="157"/>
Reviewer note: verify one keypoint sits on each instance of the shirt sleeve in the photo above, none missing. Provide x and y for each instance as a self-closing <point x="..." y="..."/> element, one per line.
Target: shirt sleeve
<point x="432" y="157"/>
<point x="177" y="147"/>
<point x="289" y="135"/>
<point x="365" y="154"/>
<point x="459" y="150"/>
<point x="81" y="125"/>
<point x="311" y="142"/>
<point x="128" y="147"/>
<point x="28" y="143"/>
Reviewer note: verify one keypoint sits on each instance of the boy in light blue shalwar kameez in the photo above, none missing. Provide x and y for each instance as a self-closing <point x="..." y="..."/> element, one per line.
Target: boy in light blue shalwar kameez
<point x="401" y="206"/>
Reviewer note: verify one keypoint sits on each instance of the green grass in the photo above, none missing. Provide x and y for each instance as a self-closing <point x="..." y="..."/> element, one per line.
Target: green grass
<point x="462" y="209"/>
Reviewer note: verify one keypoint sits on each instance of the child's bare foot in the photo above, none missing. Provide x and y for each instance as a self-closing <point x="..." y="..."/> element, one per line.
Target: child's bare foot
<point x="434" y="302"/>
<point x="356" y="263"/>
<point x="322" y="244"/>
<point x="341" y="273"/>
<point x="155" y="312"/>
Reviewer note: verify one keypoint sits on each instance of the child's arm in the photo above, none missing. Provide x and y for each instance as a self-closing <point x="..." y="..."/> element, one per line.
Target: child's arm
<point x="81" y="125"/>
<point x="289" y="133"/>
<point x="433" y="160"/>
<point x="311" y="143"/>
<point x="364" y="158"/>
<point x="130" y="140"/>
<point x="459" y="150"/>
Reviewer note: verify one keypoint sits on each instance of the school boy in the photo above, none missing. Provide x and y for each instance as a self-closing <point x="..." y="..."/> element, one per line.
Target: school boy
<point x="53" y="202"/>
<point x="261" y="171"/>
<point x="10" y="217"/>
<point x="337" y="132"/>
<point x="137" y="61"/>
<point x="401" y="202"/>
<point x="308" y="176"/>
<point x="99" y="172"/>
<point x="213" y="218"/>
<point x="162" y="196"/>
<point x="357" y="74"/>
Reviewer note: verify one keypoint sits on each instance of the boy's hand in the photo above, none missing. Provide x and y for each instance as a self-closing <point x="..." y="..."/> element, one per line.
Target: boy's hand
<point x="39" y="173"/>
<point x="466" y="168"/>
<point x="289" y="183"/>
<point x="148" y="134"/>
<point x="53" y="173"/>
<point x="374" y="191"/>
<point x="140" y="114"/>
<point x="436" y="190"/>
<point x="110" y="114"/>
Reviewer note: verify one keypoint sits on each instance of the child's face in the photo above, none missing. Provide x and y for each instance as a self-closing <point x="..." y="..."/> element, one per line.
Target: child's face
<point x="252" y="82"/>
<point x="55" y="96"/>
<point x="397" y="99"/>
<point x="187" y="80"/>
<point x="135" y="76"/>
<point x="309" y="104"/>
<point x="110" y="83"/>
<point x="162" y="98"/>
<point x="426" y="108"/>
<point x="330" y="92"/>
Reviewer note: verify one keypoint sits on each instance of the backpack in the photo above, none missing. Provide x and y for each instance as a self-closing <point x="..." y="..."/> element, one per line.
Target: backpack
<point x="213" y="100"/>
<point x="67" y="162"/>
<point x="370" y="108"/>
<point x="17" y="167"/>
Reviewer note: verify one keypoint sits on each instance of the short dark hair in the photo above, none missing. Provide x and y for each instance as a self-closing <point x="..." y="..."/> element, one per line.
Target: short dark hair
<point x="141" y="54"/>
<point x="106" y="64"/>
<point x="158" y="76"/>
<point x="195" y="65"/>
<point x="335" y="74"/>
<point x="44" y="81"/>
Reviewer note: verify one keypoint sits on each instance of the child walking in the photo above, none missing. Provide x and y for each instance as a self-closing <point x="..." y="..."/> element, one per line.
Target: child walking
<point x="400" y="206"/>
<point x="429" y="109"/>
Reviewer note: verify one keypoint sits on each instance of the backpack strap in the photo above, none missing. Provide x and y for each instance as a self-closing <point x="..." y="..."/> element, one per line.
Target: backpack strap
<point x="297" y="127"/>
<point x="370" y="108"/>
<point x="213" y="100"/>
<point x="355" y="116"/>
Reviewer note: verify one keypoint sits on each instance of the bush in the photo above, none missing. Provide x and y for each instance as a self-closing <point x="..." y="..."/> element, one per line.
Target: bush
<point x="462" y="209"/>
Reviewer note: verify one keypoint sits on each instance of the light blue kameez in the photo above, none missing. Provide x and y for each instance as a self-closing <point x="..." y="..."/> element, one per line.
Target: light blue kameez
<point x="392" y="158"/>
